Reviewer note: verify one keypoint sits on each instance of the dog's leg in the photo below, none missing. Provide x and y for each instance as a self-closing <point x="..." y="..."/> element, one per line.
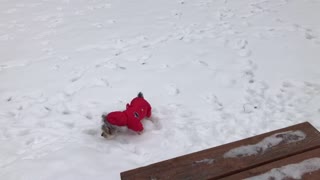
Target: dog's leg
<point x="107" y="131"/>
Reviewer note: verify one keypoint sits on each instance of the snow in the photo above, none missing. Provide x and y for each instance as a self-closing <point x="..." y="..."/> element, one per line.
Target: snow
<point x="214" y="72"/>
<point x="204" y="161"/>
<point x="294" y="171"/>
<point x="266" y="144"/>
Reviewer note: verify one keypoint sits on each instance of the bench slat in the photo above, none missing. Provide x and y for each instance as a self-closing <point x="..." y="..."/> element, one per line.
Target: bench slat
<point x="213" y="163"/>
<point x="302" y="162"/>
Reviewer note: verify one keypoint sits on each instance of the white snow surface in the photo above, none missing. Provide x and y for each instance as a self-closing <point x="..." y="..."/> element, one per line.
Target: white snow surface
<point x="214" y="72"/>
<point x="266" y="144"/>
<point x="293" y="171"/>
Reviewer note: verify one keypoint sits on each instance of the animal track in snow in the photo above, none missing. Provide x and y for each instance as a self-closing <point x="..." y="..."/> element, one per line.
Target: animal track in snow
<point x="248" y="73"/>
<point x="24" y="132"/>
<point x="91" y="132"/>
<point x="201" y="62"/>
<point x="309" y="34"/>
<point x="101" y="82"/>
<point x="244" y="52"/>
<point x="143" y="60"/>
<point x="40" y="111"/>
<point x="172" y="90"/>
<point x="51" y="20"/>
<point x="99" y="6"/>
<point x="224" y="13"/>
<point x="241" y="45"/>
<point x="285" y="105"/>
<point x="88" y="115"/>
<point x="12" y="64"/>
<point x="156" y="122"/>
<point x="62" y="109"/>
<point x="213" y="100"/>
<point x="249" y="108"/>
<point x="111" y="65"/>
<point x="77" y="75"/>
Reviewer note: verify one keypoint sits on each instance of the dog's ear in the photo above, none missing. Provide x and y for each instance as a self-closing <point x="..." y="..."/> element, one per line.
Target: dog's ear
<point x="140" y="95"/>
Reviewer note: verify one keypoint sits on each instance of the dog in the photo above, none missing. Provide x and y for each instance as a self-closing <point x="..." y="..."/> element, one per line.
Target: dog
<point x="137" y="110"/>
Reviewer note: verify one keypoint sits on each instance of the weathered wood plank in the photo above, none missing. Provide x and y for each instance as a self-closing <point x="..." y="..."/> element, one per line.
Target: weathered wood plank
<point x="305" y="166"/>
<point x="218" y="162"/>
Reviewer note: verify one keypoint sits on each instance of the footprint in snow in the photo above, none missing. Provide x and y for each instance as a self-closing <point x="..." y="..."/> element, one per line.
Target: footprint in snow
<point x="88" y="116"/>
<point x="24" y="132"/>
<point x="101" y="82"/>
<point x="76" y="76"/>
<point x="244" y="53"/>
<point x="242" y="46"/>
<point x="111" y="65"/>
<point x="308" y="33"/>
<point x="201" y="62"/>
<point x="69" y="125"/>
<point x="214" y="101"/>
<point x="249" y="108"/>
<point x="156" y="122"/>
<point x="91" y="132"/>
<point x="143" y="60"/>
<point x="172" y="90"/>
<point x="249" y="75"/>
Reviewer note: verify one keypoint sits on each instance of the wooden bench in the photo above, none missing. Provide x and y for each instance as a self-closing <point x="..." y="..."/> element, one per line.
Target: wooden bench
<point x="275" y="153"/>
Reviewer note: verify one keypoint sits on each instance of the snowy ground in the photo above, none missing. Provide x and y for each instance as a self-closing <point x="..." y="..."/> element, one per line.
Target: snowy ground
<point x="215" y="71"/>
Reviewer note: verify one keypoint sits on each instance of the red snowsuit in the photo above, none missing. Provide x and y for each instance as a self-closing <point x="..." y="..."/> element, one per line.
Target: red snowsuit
<point x="138" y="109"/>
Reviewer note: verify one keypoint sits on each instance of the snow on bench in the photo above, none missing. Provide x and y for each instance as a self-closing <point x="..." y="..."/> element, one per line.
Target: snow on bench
<point x="302" y="166"/>
<point x="299" y="143"/>
<point x="266" y="144"/>
<point x="295" y="171"/>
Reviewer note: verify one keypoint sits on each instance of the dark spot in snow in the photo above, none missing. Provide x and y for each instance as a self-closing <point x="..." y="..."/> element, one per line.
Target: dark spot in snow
<point x="9" y="99"/>
<point x="88" y="116"/>
<point x="91" y="132"/>
<point x="251" y="81"/>
<point x="70" y="125"/>
<point x="66" y="112"/>
<point x="75" y="79"/>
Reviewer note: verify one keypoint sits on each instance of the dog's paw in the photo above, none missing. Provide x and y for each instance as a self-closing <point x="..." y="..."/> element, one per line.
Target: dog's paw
<point x="107" y="136"/>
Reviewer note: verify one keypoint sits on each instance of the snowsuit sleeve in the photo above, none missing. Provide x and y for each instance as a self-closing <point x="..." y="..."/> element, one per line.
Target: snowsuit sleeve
<point x="117" y="118"/>
<point x="135" y="125"/>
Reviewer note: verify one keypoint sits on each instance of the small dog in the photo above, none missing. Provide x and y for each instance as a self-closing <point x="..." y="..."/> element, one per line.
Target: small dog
<point x="137" y="110"/>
